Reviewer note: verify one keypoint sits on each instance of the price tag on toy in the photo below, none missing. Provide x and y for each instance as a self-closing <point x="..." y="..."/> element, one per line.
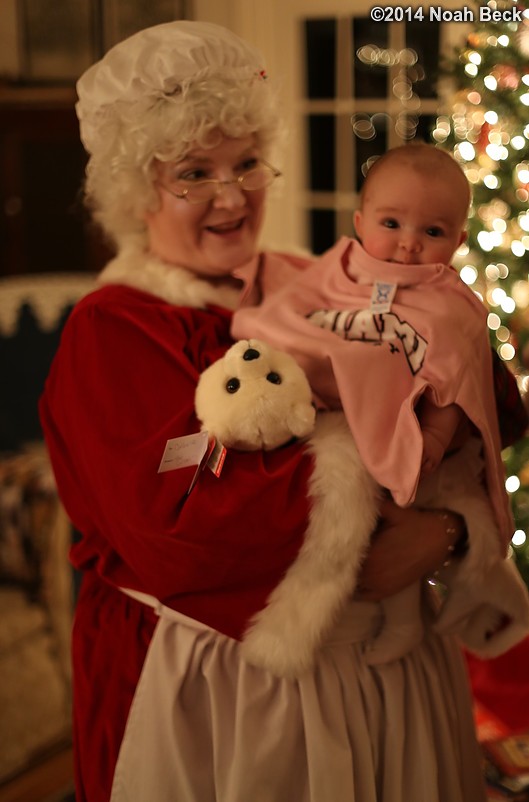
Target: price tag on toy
<point x="193" y="449"/>
<point x="181" y="452"/>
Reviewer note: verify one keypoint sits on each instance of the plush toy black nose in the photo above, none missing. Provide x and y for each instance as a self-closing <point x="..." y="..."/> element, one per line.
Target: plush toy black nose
<point x="250" y="354"/>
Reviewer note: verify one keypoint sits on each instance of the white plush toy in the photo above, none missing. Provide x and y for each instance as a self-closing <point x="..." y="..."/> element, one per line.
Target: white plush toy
<point x="257" y="397"/>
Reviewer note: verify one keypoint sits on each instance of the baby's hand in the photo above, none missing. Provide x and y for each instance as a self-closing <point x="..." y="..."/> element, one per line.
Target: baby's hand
<point x="433" y="453"/>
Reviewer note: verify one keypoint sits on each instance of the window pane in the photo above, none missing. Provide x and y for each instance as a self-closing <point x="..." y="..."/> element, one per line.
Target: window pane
<point x="322" y="228"/>
<point x="376" y="145"/>
<point x="57" y="39"/>
<point x="423" y="37"/>
<point x="320" y="44"/>
<point x="61" y="39"/>
<point x="54" y="224"/>
<point x="122" y="18"/>
<point x="370" y="80"/>
<point x="322" y="152"/>
<point x="425" y="126"/>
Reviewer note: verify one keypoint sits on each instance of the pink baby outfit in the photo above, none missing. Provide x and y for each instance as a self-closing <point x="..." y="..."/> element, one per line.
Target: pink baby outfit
<point x="433" y="341"/>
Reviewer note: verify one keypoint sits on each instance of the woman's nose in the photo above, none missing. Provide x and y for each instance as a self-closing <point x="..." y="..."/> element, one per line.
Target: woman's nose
<point x="230" y="195"/>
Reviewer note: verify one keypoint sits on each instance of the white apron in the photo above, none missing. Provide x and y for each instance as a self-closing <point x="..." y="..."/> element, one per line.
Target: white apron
<point x="205" y="726"/>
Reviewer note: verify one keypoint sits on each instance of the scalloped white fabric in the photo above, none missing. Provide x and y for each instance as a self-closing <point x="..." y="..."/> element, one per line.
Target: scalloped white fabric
<point x="48" y="295"/>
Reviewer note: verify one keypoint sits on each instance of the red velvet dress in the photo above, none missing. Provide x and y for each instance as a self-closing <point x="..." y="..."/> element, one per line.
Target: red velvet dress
<point x="121" y="385"/>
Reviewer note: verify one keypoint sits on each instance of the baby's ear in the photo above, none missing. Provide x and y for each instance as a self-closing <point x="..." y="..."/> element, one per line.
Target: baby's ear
<point x="357" y="220"/>
<point x="462" y="238"/>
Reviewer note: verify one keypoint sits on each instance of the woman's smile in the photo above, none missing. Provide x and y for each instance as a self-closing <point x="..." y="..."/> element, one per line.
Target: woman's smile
<point x="228" y="227"/>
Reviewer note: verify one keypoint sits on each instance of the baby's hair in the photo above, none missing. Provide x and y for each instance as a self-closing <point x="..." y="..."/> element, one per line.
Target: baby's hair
<point x="428" y="160"/>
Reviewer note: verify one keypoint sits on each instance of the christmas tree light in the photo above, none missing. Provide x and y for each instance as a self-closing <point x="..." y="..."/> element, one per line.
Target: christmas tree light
<point x="486" y="127"/>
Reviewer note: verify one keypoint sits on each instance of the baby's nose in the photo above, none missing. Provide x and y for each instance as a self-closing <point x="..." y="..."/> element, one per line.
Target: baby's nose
<point x="411" y="241"/>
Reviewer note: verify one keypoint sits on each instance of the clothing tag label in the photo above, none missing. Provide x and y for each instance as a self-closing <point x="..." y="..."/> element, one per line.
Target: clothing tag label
<point x="181" y="452"/>
<point x="382" y="297"/>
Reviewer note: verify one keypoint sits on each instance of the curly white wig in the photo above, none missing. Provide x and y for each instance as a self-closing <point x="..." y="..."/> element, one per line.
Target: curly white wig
<point x="152" y="97"/>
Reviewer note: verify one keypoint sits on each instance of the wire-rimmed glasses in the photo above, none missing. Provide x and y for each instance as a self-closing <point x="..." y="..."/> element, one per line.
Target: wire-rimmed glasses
<point x="206" y="190"/>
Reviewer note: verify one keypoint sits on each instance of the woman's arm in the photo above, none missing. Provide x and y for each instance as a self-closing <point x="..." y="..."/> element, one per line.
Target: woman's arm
<point x="408" y="544"/>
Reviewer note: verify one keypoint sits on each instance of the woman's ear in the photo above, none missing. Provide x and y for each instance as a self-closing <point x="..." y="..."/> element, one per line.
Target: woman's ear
<point x="357" y="220"/>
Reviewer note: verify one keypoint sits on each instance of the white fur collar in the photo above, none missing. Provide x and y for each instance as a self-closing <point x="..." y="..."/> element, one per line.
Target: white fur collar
<point x="135" y="268"/>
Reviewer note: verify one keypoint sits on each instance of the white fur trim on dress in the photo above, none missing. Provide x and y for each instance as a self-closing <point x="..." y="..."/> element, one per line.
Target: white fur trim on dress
<point x="284" y="636"/>
<point x="489" y="616"/>
<point x="135" y="268"/>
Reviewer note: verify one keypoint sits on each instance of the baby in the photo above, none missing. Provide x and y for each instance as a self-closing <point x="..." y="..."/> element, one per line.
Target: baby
<point x="385" y="328"/>
<point x="414" y="207"/>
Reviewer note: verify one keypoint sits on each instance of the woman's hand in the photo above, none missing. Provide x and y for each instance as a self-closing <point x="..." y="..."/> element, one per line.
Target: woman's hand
<point x="407" y="545"/>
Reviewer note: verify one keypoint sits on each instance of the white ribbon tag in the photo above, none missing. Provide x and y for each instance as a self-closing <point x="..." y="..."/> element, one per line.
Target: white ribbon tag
<point x="382" y="297"/>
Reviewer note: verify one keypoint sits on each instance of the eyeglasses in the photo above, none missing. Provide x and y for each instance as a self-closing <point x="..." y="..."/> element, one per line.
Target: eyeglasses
<point x="204" y="191"/>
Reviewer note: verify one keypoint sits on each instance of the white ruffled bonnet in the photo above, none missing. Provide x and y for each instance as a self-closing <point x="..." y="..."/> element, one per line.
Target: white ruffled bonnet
<point x="158" y="62"/>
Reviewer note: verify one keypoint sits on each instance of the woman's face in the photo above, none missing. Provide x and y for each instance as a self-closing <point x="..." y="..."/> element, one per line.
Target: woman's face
<point x="215" y="237"/>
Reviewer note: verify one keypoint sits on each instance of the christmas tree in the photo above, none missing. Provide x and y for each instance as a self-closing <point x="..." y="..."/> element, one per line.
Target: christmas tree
<point x="487" y="130"/>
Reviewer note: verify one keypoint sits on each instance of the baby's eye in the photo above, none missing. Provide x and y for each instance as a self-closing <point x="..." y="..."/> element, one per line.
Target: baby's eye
<point x="435" y="231"/>
<point x="390" y="222"/>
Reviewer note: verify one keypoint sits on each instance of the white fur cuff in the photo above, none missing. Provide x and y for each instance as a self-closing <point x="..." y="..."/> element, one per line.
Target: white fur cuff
<point x="489" y="616"/>
<point x="284" y="636"/>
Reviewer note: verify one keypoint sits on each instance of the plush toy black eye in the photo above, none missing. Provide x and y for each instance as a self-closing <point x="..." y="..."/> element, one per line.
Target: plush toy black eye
<point x="274" y="378"/>
<point x="250" y="354"/>
<point x="232" y="385"/>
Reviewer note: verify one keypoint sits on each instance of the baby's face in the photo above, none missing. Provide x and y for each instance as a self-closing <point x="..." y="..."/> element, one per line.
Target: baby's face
<point x="410" y="218"/>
